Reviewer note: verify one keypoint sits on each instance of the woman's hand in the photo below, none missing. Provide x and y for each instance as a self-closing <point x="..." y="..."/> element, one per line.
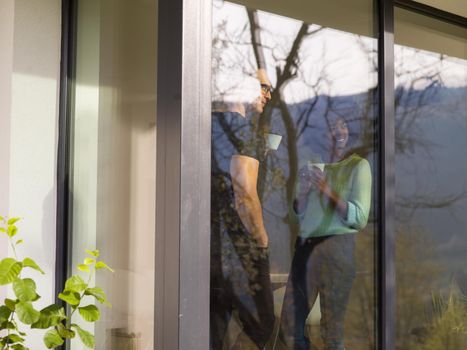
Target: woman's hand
<point x="306" y="183"/>
<point x="318" y="180"/>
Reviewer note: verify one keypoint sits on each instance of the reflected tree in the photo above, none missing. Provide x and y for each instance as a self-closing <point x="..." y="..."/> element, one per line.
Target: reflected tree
<point x="420" y="86"/>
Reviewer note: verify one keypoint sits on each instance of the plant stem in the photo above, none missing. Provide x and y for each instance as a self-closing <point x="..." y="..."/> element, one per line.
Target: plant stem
<point x="13" y="313"/>
<point x="13" y="247"/>
<point x="68" y="322"/>
<point x="8" y="332"/>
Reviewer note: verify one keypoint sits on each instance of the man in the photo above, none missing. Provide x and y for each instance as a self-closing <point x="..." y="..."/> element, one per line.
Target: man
<point x="239" y="242"/>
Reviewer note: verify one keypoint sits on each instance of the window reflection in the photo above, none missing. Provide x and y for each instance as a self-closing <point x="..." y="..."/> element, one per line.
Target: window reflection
<point x="239" y="242"/>
<point x="112" y="164"/>
<point x="293" y="148"/>
<point x="431" y="179"/>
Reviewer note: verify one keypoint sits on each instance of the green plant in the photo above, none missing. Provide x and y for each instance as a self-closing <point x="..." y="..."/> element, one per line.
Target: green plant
<point x="56" y="319"/>
<point x="447" y="324"/>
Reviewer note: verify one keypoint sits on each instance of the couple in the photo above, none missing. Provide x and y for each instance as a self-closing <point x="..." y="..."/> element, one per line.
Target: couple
<point x="331" y="205"/>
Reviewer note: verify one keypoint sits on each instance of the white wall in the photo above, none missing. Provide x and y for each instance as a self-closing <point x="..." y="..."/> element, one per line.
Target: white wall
<point x="29" y="82"/>
<point x="6" y="68"/>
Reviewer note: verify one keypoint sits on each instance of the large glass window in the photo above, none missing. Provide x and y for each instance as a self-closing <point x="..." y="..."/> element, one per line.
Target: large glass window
<point x="293" y="225"/>
<point x="113" y="163"/>
<point x="431" y="183"/>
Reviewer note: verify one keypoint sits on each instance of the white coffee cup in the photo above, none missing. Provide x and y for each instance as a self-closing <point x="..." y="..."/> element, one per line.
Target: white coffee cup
<point x="273" y="141"/>
<point x="311" y="164"/>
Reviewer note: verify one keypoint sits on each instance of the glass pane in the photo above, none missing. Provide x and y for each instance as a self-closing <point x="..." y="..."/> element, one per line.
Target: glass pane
<point x="431" y="183"/>
<point x="293" y="225"/>
<point x="113" y="164"/>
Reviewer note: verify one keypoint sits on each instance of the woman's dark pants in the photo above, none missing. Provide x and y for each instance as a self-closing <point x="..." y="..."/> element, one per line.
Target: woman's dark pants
<point x="324" y="266"/>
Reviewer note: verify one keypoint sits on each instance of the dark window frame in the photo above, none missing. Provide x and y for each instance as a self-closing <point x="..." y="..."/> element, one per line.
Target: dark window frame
<point x="183" y="163"/>
<point x="386" y="177"/>
<point x="66" y="100"/>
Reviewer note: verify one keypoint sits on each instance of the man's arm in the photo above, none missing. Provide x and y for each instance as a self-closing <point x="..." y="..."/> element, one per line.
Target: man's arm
<point x="244" y="173"/>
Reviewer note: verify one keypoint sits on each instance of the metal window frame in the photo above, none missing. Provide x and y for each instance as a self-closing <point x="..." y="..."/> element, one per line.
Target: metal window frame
<point x="66" y="100"/>
<point x="183" y="167"/>
<point x="386" y="176"/>
<point x="64" y="171"/>
<point x="183" y="175"/>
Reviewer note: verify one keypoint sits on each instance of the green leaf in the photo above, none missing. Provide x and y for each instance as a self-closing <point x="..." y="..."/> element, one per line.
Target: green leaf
<point x="28" y="262"/>
<point x="14" y="338"/>
<point x="2" y="229"/>
<point x="12" y="231"/>
<point x="50" y="316"/>
<point x="19" y="241"/>
<point x="25" y="289"/>
<point x="75" y="284"/>
<point x="19" y="347"/>
<point x="90" y="313"/>
<point x="5" y="313"/>
<point x="89" y="261"/>
<point x="86" y="337"/>
<point x="65" y="332"/>
<point x="12" y="221"/>
<point x="97" y="293"/>
<point x="103" y="265"/>
<point x="84" y="268"/>
<point x="94" y="253"/>
<point x="8" y="325"/>
<point x="52" y="339"/>
<point x="72" y="298"/>
<point x="2" y="218"/>
<point x="11" y="304"/>
<point x="9" y="270"/>
<point x="26" y="312"/>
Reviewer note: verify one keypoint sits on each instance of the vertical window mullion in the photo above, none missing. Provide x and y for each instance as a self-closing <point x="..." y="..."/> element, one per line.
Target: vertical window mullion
<point x="387" y="174"/>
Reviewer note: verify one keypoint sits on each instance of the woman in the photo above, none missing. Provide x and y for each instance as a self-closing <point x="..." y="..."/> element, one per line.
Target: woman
<point x="332" y="205"/>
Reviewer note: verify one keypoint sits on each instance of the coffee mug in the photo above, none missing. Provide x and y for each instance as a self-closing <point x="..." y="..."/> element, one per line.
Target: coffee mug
<point x="311" y="164"/>
<point x="273" y="141"/>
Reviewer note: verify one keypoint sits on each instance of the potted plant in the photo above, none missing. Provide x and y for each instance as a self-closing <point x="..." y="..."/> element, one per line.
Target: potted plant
<point x="55" y="319"/>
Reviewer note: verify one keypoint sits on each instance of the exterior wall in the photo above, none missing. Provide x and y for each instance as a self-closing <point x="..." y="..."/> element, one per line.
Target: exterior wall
<point x="426" y="33"/>
<point x="457" y="7"/>
<point x="29" y="84"/>
<point x="6" y="69"/>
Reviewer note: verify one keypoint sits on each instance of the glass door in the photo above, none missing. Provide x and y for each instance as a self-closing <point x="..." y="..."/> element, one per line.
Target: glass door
<point x="293" y="176"/>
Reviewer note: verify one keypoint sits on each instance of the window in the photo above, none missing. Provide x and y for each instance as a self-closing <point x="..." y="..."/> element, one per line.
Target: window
<point x="113" y="147"/>
<point x="294" y="100"/>
<point x="431" y="188"/>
